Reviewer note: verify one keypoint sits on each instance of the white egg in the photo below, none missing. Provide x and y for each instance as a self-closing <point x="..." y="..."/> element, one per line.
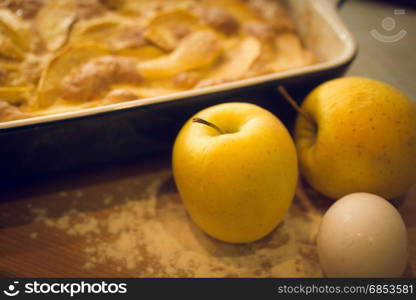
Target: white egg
<point x="362" y="235"/>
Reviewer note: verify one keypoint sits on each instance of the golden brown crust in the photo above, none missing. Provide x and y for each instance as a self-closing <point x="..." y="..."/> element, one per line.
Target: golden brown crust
<point x="96" y="77"/>
<point x="95" y="52"/>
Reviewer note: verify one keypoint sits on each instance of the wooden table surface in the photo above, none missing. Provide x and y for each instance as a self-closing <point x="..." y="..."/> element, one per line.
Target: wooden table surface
<point x="37" y="240"/>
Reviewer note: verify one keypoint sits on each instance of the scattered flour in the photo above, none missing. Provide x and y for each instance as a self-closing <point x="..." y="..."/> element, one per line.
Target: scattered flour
<point x="63" y="194"/>
<point x="78" y="193"/>
<point x="34" y="235"/>
<point x="151" y="235"/>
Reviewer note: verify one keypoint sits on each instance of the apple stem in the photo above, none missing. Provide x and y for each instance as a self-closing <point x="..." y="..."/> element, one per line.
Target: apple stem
<point x="282" y="90"/>
<point x="202" y="121"/>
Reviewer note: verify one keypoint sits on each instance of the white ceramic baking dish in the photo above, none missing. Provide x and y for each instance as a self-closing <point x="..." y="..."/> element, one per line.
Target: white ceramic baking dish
<point x="121" y="131"/>
<point x="320" y="27"/>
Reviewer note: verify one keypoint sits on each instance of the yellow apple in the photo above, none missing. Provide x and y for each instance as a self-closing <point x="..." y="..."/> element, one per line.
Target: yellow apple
<point x="362" y="138"/>
<point x="237" y="173"/>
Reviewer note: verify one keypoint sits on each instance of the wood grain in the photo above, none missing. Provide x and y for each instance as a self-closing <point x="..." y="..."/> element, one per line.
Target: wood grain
<point x="55" y="253"/>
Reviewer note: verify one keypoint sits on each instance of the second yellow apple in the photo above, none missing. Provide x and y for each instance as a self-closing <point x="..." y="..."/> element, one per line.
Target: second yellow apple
<point x="362" y="138"/>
